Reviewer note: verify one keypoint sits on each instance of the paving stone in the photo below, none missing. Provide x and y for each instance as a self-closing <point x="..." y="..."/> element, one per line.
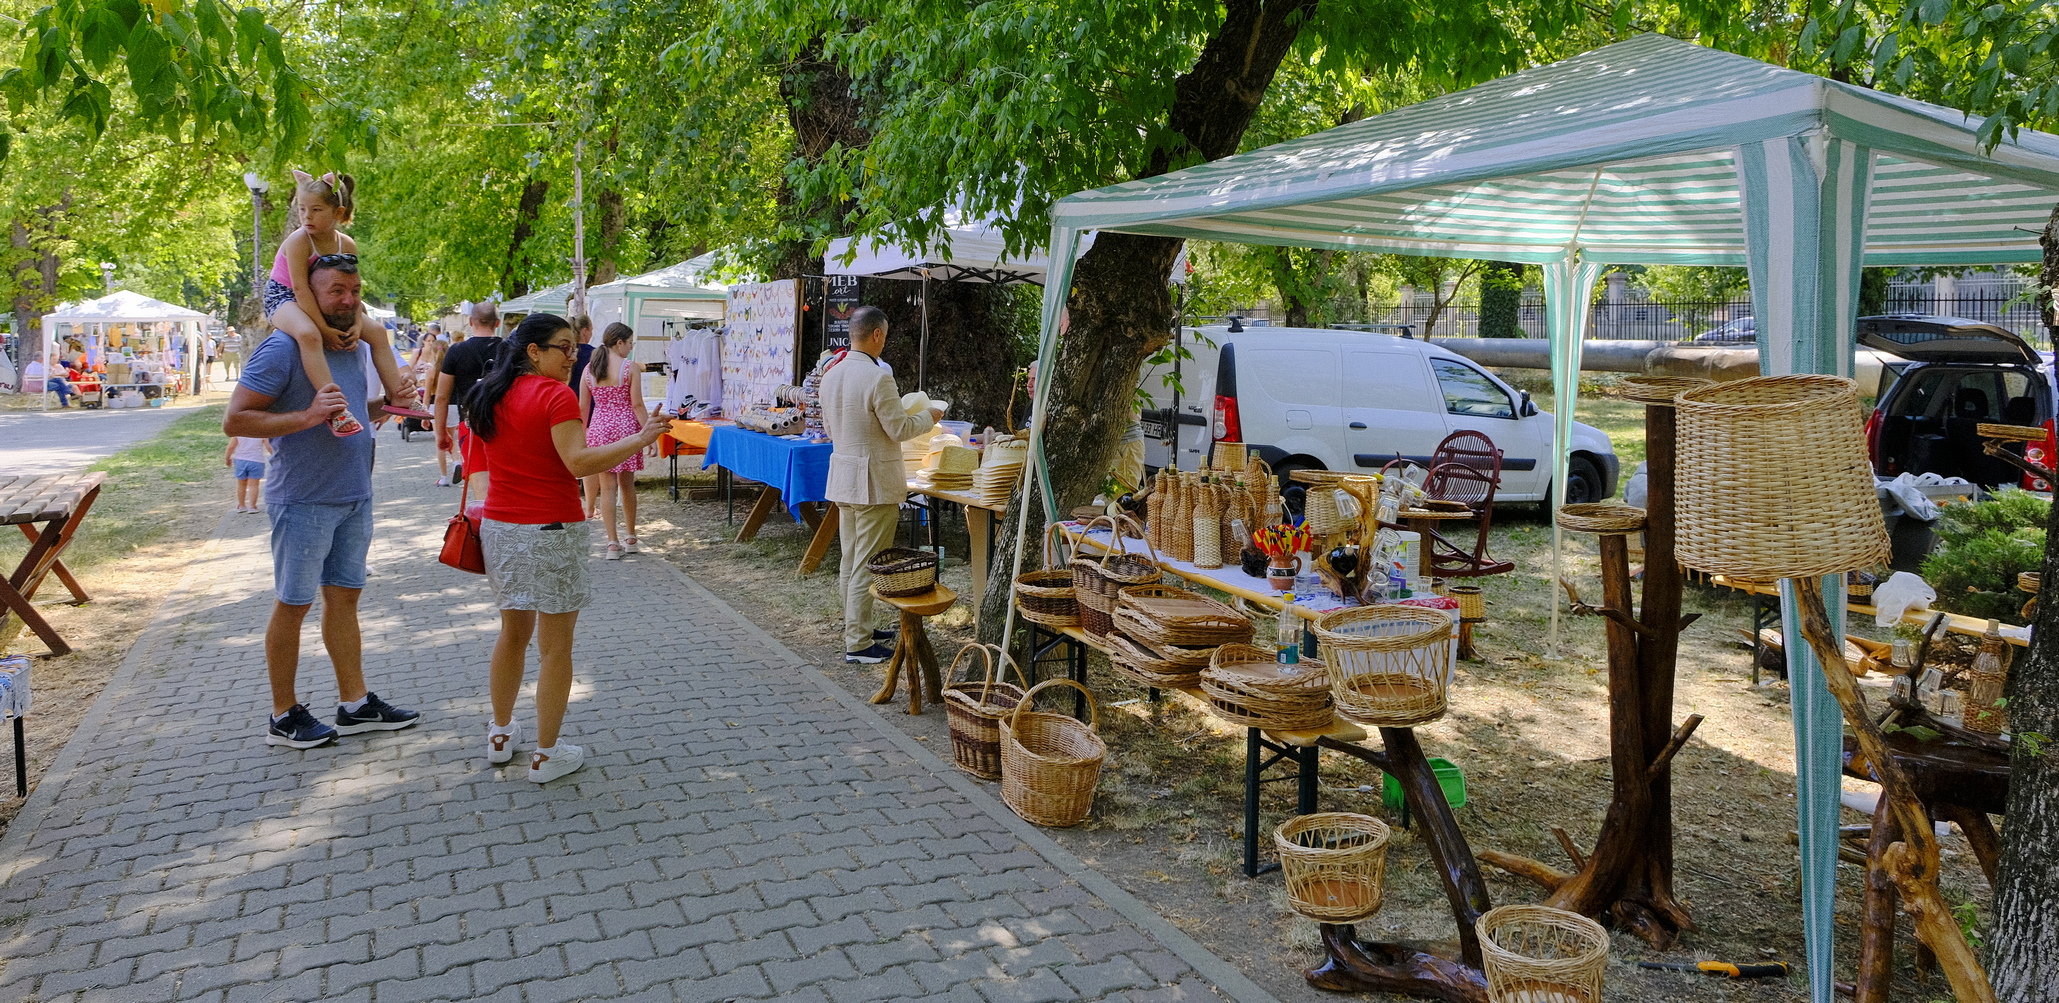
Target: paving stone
<point x="736" y="835"/>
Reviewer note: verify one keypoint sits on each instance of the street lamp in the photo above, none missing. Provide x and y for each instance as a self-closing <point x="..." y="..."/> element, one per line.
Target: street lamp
<point x="107" y="273"/>
<point x="258" y="187"/>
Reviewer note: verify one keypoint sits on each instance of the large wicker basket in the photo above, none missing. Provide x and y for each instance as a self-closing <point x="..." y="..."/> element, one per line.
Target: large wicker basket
<point x="1774" y="481"/>
<point x="1333" y="863"/>
<point x="1248" y="687"/>
<point x="1389" y="664"/>
<point x="1537" y="954"/>
<point x="1116" y="569"/>
<point x="1050" y="763"/>
<point x="1149" y="667"/>
<point x="1161" y="615"/>
<point x="975" y="710"/>
<point x="1047" y="597"/>
<point x="899" y="571"/>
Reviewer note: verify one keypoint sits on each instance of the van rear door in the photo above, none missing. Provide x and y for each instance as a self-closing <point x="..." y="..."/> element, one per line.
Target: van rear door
<point x="1391" y="407"/>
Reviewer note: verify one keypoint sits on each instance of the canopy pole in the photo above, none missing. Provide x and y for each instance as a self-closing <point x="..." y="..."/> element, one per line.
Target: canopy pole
<point x="1036" y="473"/>
<point x="1568" y="295"/>
<point x="922" y="349"/>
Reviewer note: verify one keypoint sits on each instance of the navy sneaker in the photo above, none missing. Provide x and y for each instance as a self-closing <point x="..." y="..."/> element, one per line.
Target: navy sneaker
<point x="886" y="636"/>
<point x="298" y="729"/>
<point x="873" y="655"/>
<point x="375" y="715"/>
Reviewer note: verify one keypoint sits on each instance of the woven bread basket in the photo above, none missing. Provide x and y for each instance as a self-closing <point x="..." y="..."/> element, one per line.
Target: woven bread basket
<point x="975" y="710"/>
<point x="1249" y="687"/>
<point x="1050" y="763"/>
<point x="1047" y="597"/>
<point x="898" y="571"/>
<point x="1537" y="954"/>
<point x="1164" y="615"/>
<point x="1658" y="390"/>
<point x="1389" y="664"/>
<point x="1774" y="481"/>
<point x="1147" y="666"/>
<point x="1333" y="863"/>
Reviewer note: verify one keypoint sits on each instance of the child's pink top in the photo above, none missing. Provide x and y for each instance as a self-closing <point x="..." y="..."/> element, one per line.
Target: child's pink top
<point x="281" y="273"/>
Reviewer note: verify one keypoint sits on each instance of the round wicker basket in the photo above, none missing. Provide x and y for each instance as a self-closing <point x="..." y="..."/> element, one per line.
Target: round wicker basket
<point x="1047" y="597"/>
<point x="1389" y="664"/>
<point x="1319" y="507"/>
<point x="1660" y="390"/>
<point x="1774" y="481"/>
<point x="1050" y="763"/>
<point x="898" y="571"/>
<point x="1146" y="666"/>
<point x="1601" y="517"/>
<point x="1248" y="687"/>
<point x="1472" y="603"/>
<point x="1333" y="863"/>
<point x="1537" y="954"/>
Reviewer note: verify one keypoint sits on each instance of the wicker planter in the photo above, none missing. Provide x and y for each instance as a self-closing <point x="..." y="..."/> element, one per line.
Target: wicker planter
<point x="1333" y="863"/>
<point x="1248" y="687"/>
<point x="975" y="710"/>
<point x="1774" y="481"/>
<point x="898" y="571"/>
<point x="1537" y="954"/>
<point x="1050" y="763"/>
<point x="1389" y="664"/>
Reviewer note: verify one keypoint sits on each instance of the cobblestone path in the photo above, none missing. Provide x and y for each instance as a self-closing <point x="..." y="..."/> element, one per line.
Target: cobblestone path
<point x="741" y="829"/>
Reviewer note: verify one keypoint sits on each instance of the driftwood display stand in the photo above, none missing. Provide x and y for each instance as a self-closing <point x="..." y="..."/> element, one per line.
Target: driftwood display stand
<point x="1629" y="876"/>
<point x="1356" y="965"/>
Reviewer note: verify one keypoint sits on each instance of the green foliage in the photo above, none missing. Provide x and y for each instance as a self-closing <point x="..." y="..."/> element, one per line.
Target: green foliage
<point x="1983" y="547"/>
<point x="1695" y="283"/>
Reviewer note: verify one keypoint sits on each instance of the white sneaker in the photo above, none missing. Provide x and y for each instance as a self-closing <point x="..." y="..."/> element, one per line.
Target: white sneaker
<point x="500" y="745"/>
<point x="443" y="482"/>
<point x="631" y="545"/>
<point x="614" y="551"/>
<point x="549" y="764"/>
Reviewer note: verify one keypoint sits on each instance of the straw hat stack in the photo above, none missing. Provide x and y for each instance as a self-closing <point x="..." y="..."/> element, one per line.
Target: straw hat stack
<point x="1000" y="469"/>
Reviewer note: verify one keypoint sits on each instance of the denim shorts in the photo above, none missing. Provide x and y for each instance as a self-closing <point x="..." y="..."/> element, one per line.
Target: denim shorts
<point x="249" y="470"/>
<point x="317" y="545"/>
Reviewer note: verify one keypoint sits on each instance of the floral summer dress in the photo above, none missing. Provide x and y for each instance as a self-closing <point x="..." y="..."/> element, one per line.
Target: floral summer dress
<point x="614" y="419"/>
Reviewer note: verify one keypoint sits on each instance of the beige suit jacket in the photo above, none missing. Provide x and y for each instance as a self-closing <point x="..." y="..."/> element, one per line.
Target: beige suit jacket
<point x="861" y="409"/>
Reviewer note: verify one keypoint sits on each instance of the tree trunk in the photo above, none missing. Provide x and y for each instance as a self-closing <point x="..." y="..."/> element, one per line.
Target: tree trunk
<point x="1501" y="300"/>
<point x="1120" y="309"/>
<point x="33" y="236"/>
<point x="2024" y="956"/>
<point x="825" y="110"/>
<point x="514" y="281"/>
<point x="614" y="219"/>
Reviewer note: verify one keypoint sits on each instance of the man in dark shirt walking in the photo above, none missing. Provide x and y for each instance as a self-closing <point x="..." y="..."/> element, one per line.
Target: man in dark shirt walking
<point x="463" y="365"/>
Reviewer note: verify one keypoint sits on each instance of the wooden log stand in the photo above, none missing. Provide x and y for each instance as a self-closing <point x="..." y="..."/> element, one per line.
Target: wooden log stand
<point x="912" y="649"/>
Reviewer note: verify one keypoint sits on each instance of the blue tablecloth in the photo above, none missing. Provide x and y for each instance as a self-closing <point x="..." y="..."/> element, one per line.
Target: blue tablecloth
<point x="797" y="467"/>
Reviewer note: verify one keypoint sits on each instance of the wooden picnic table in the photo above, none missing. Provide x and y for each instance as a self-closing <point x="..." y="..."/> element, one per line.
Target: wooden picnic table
<point x="59" y="502"/>
<point x="980" y="518"/>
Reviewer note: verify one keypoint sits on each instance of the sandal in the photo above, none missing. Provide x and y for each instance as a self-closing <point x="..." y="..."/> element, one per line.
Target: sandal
<point x="614" y="552"/>
<point x="630" y="544"/>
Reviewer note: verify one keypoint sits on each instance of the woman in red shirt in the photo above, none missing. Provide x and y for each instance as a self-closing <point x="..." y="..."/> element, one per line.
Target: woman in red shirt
<point x="534" y="532"/>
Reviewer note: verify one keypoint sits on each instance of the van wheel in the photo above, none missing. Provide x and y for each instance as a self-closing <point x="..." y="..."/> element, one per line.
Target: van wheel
<point x="1292" y="492"/>
<point x="1583" y="481"/>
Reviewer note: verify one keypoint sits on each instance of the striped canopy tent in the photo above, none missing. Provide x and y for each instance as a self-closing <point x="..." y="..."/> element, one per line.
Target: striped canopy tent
<point x="1649" y="151"/>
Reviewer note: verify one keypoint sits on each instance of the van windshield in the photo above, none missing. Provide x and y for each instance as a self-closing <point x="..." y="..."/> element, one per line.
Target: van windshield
<point x="1469" y="392"/>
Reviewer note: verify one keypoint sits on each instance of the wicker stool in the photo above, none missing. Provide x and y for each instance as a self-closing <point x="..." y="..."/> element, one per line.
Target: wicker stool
<point x="912" y="650"/>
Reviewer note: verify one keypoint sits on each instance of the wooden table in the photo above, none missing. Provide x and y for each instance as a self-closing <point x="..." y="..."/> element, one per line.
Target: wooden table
<point x="1766" y="614"/>
<point x="1228" y="579"/>
<point x="980" y="519"/>
<point x="687" y="438"/>
<point x="60" y="503"/>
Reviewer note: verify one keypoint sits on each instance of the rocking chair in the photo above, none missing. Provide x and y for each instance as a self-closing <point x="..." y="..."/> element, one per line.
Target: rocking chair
<point x="1466" y="468"/>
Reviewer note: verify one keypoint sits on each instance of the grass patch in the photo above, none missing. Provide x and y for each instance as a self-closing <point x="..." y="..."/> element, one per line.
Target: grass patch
<point x="145" y="488"/>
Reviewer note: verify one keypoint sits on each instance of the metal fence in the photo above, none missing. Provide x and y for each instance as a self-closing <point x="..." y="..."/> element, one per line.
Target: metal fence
<point x="1634" y="318"/>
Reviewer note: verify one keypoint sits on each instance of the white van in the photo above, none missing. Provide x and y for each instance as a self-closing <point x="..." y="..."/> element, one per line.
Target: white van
<point x="1352" y="400"/>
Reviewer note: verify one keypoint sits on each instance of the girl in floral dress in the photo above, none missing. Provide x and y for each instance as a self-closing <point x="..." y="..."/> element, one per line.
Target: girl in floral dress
<point x="612" y="391"/>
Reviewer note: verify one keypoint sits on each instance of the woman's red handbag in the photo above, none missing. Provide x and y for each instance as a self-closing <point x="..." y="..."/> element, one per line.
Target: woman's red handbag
<point x="461" y="547"/>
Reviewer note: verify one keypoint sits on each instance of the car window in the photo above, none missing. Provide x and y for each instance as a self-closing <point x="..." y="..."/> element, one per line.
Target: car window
<point x="2001" y="395"/>
<point x="1390" y="381"/>
<point x="1290" y="375"/>
<point x="1469" y="392"/>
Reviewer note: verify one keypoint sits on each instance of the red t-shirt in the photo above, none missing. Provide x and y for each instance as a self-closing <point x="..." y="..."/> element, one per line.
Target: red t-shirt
<point x="530" y="484"/>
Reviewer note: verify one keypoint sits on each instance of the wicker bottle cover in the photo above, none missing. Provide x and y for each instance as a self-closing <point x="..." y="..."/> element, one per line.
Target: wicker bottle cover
<point x="1987" y="680"/>
<point x="1179" y="521"/>
<point x="1154" y="514"/>
<point x="1208" y="551"/>
<point x="1232" y="505"/>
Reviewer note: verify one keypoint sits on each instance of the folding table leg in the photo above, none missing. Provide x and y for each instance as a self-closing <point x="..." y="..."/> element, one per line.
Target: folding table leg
<point x="1308" y="773"/>
<point x="1252" y="751"/>
<point x="21" y="760"/>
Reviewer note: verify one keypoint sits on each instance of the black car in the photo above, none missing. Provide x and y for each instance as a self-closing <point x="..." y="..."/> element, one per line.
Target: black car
<point x="1959" y="373"/>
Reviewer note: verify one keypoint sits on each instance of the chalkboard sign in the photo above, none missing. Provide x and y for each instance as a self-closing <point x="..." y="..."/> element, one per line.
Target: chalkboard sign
<point x="840" y="299"/>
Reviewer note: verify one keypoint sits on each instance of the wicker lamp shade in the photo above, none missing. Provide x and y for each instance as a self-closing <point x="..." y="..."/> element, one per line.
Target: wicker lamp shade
<point x="1333" y="863"/>
<point x="1389" y="664"/>
<point x="1050" y="763"/>
<point x="1774" y="480"/>
<point x="1537" y="954"/>
<point x="1660" y="390"/>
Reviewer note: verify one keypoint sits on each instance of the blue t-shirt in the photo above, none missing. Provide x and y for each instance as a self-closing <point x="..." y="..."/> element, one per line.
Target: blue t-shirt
<point x="314" y="465"/>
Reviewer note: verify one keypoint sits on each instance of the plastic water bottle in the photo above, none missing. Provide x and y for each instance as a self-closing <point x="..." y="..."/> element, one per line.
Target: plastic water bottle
<point x="1288" y="638"/>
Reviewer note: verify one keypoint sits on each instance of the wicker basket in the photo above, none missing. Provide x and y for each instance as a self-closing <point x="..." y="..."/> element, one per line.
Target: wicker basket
<point x="1319" y="509"/>
<point x="2030" y="581"/>
<point x="1604" y="518"/>
<point x="1162" y="615"/>
<point x="1116" y="569"/>
<point x="1047" y="597"/>
<point x="1658" y="390"/>
<point x="1050" y="763"/>
<point x="975" y="710"/>
<point x="898" y="571"/>
<point x="1189" y="657"/>
<point x="1333" y="863"/>
<point x="1537" y="954"/>
<point x="1317" y="478"/>
<point x="1472" y="603"/>
<point x="1248" y="687"/>
<point x="1389" y="664"/>
<point x="1146" y="666"/>
<point x="1229" y="456"/>
<point x="1774" y="481"/>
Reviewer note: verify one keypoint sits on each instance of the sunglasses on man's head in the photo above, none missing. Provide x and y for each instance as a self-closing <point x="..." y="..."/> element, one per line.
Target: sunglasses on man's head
<point x="332" y="260"/>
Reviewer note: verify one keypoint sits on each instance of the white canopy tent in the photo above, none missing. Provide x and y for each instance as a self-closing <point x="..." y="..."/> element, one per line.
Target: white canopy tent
<point x="551" y="300"/>
<point x="98" y="316"/>
<point x="1651" y="150"/>
<point x="686" y="290"/>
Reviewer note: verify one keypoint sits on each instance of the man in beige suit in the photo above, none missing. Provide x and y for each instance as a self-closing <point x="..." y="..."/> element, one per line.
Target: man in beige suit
<point x="861" y="409"/>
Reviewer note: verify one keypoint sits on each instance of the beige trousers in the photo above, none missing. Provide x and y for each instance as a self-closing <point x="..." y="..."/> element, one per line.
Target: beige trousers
<point x="862" y="530"/>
